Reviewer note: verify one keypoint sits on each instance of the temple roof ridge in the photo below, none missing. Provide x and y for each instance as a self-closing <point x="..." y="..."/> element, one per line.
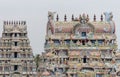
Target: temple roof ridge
<point x="15" y="22"/>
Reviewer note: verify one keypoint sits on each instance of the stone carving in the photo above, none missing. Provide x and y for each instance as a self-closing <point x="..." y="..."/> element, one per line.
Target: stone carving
<point x="108" y="16"/>
<point x="51" y="15"/>
<point x="50" y="25"/>
<point x="84" y="19"/>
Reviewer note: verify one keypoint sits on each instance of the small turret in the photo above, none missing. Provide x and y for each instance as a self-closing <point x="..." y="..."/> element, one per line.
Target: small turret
<point x="72" y="17"/>
<point x="4" y="22"/>
<point x="94" y="19"/>
<point x="101" y="18"/>
<point x="57" y="18"/>
<point x="80" y="17"/>
<point x="65" y="18"/>
<point x="87" y="18"/>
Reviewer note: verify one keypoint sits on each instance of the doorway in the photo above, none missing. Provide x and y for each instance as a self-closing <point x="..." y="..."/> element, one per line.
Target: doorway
<point x="15" y="67"/>
<point x="15" y="54"/>
<point x="85" y="59"/>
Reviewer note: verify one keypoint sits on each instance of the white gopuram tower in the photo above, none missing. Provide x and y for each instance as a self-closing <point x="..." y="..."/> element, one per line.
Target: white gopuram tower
<point x="16" y="57"/>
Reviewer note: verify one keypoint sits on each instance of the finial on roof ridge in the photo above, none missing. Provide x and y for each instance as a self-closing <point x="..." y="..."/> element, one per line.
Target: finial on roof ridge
<point x="72" y="17"/>
<point x="94" y="19"/>
<point x="65" y="18"/>
<point x="101" y="17"/>
<point x="87" y="18"/>
<point x="57" y="18"/>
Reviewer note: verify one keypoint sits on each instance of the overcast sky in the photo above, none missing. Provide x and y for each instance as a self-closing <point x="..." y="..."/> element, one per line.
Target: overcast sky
<point x="35" y="13"/>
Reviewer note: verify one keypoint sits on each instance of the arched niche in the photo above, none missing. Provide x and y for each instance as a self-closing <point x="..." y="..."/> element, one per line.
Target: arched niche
<point x="83" y="29"/>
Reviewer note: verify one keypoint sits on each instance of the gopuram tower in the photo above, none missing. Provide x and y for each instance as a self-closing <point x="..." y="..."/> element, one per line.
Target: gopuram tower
<point x="80" y="47"/>
<point x="16" y="57"/>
